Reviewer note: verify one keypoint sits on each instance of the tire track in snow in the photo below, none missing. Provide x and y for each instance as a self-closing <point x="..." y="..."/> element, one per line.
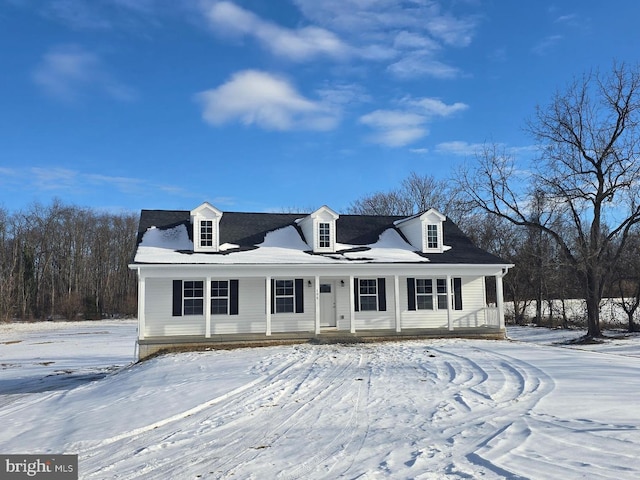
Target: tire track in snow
<point x="151" y="431"/>
<point x="454" y="399"/>
<point x="473" y="413"/>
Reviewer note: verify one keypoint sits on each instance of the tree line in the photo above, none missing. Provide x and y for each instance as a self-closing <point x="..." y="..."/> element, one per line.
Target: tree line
<point x="62" y="261"/>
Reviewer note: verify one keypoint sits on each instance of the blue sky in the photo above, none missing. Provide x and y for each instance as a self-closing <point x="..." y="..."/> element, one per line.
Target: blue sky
<point x="258" y="105"/>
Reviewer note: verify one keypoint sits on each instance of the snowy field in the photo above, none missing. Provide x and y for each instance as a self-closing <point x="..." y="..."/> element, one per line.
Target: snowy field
<point x="454" y="409"/>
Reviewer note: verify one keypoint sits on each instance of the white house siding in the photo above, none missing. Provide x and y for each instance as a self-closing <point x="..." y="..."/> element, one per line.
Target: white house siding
<point x="158" y="318"/>
<point x="297" y="322"/>
<point x="369" y="320"/>
<point x="251" y="316"/>
<point x="472" y="313"/>
<point x="343" y="304"/>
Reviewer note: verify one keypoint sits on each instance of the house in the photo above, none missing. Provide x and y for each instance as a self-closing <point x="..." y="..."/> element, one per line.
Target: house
<point x="207" y="277"/>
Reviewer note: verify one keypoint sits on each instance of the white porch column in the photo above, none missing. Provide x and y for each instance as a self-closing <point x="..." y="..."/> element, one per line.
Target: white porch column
<point x="352" y="307"/>
<point x="267" y="301"/>
<point x="207" y="308"/>
<point x="396" y="293"/>
<point x="500" y="301"/>
<point x="316" y="289"/>
<point x="141" y="297"/>
<point x="449" y="295"/>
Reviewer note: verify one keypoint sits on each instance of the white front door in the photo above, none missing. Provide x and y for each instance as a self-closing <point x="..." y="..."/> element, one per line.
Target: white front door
<point x="327" y="304"/>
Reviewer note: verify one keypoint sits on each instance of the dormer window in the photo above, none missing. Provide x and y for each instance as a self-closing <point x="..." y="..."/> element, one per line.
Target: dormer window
<point x="432" y="237"/>
<point x="206" y="228"/>
<point x="206" y="233"/>
<point x="324" y="235"/>
<point x="424" y="231"/>
<point x="319" y="230"/>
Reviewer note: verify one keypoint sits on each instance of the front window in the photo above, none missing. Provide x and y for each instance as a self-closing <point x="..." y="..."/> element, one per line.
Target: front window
<point x="442" y="293"/>
<point x="368" y="295"/>
<point x="432" y="236"/>
<point x="324" y="235"/>
<point x="206" y="233"/>
<point x="424" y="294"/>
<point x="219" y="297"/>
<point x="193" y="297"/>
<point x="284" y="296"/>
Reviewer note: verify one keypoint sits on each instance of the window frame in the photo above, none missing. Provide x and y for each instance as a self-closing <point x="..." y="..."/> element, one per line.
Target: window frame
<point x="287" y="303"/>
<point x="206" y="233"/>
<point x="324" y="234"/>
<point x="432" y="236"/>
<point x="444" y="295"/>
<point x="192" y="304"/>
<point x="426" y="295"/>
<point x="371" y="285"/>
<point x="218" y="288"/>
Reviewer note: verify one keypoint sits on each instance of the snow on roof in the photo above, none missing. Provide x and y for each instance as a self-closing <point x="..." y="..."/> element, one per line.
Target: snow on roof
<point x="287" y="237"/>
<point x="176" y="238"/>
<point x="281" y="246"/>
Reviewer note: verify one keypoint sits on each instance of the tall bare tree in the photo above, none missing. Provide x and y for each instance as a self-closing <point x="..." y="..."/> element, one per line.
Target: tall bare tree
<point x="588" y="176"/>
<point x="415" y="194"/>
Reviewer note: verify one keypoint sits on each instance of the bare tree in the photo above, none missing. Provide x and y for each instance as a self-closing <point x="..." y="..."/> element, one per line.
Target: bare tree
<point x="587" y="176"/>
<point x="417" y="193"/>
<point x="60" y="260"/>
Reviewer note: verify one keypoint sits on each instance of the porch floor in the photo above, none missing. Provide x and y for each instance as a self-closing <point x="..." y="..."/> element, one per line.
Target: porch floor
<point x="155" y="345"/>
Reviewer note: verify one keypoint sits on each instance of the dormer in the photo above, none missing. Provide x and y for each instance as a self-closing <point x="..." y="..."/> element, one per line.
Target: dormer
<point x="424" y="231"/>
<point x="206" y="228"/>
<point x="319" y="230"/>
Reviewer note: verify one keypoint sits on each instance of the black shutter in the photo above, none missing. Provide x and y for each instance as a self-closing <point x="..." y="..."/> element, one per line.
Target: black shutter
<point x="177" y="298"/>
<point x="356" y="294"/>
<point x="273" y="296"/>
<point x="457" y="293"/>
<point x="233" y="297"/>
<point x="382" y="295"/>
<point x="411" y="293"/>
<point x="299" y="295"/>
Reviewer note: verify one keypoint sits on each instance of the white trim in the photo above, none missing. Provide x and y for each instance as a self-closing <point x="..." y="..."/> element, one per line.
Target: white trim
<point x="317" y="305"/>
<point x="352" y="307"/>
<point x="500" y="301"/>
<point x="141" y="306"/>
<point x="422" y="269"/>
<point x="396" y="294"/>
<point x="449" y="312"/>
<point x="268" y="305"/>
<point x="207" y="308"/>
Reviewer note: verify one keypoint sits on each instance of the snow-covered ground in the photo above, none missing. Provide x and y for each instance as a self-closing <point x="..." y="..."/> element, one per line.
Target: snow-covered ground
<point x="430" y="409"/>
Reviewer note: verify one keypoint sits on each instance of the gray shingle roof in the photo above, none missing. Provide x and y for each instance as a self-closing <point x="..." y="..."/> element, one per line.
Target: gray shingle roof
<point x="249" y="229"/>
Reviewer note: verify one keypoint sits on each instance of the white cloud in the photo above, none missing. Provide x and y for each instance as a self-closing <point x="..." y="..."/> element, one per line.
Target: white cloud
<point x="68" y="72"/>
<point x="459" y="148"/>
<point x="412" y="33"/>
<point x="397" y="128"/>
<point x="457" y="32"/>
<point x="258" y="98"/>
<point x="53" y="178"/>
<point x="411" y="40"/>
<point x="436" y="107"/>
<point x="71" y="183"/>
<point x="546" y="44"/>
<point x="295" y="44"/>
<point x="408" y="35"/>
<point x="466" y="149"/>
<point x="417" y="65"/>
